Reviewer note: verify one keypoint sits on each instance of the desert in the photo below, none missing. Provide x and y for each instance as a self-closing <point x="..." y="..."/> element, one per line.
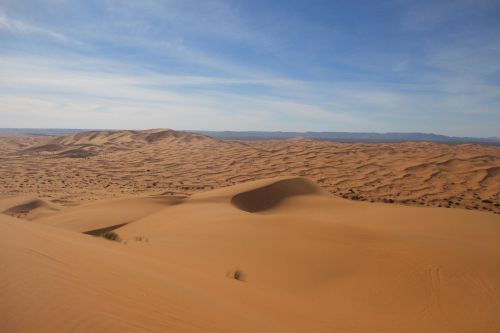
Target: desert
<point x="168" y="231"/>
<point x="255" y="166"/>
<point x="87" y="166"/>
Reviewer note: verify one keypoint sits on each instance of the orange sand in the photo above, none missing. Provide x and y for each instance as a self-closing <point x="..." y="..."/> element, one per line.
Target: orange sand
<point x="307" y="261"/>
<point x="96" y="165"/>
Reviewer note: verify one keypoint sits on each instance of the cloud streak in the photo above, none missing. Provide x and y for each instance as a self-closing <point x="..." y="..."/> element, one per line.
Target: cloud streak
<point x="119" y="96"/>
<point x="20" y="27"/>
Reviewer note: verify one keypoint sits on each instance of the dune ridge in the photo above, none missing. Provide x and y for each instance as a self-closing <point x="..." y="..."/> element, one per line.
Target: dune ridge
<point x="106" y="164"/>
<point x="106" y="214"/>
<point x="266" y="197"/>
<point x="99" y="138"/>
<point x="26" y="207"/>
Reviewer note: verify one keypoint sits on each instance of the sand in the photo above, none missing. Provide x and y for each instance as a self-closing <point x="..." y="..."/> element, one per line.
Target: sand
<point x="276" y="254"/>
<point x="96" y="165"/>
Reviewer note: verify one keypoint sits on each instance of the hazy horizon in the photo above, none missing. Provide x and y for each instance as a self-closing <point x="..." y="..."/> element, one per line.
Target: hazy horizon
<point x="258" y="133"/>
<point x="390" y="66"/>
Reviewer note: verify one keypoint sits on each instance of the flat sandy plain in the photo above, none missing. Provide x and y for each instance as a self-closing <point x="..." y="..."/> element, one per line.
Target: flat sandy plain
<point x="248" y="236"/>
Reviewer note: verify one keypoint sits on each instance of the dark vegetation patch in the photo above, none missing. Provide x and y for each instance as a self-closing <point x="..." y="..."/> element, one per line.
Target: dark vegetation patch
<point x="111" y="236"/>
<point x="237" y="274"/>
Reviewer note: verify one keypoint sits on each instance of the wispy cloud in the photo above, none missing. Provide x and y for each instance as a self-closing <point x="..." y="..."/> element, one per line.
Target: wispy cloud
<point x="119" y="95"/>
<point x="57" y="90"/>
<point x="20" y="27"/>
<point x="250" y="65"/>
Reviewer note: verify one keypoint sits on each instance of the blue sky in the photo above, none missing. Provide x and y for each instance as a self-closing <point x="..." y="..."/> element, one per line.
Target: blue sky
<point x="377" y="66"/>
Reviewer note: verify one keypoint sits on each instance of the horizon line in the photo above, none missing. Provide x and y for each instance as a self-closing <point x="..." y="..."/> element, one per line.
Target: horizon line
<point x="249" y="131"/>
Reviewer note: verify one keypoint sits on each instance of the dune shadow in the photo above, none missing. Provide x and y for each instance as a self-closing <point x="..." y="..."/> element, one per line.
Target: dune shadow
<point x="269" y="196"/>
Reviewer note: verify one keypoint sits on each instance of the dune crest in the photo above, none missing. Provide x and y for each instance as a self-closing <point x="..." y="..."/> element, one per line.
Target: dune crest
<point x="26" y="207"/>
<point x="87" y="144"/>
<point x="100" y="138"/>
<point x="107" y="214"/>
<point x="268" y="196"/>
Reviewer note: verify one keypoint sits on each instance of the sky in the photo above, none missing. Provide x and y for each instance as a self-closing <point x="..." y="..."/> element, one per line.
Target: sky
<point x="354" y="66"/>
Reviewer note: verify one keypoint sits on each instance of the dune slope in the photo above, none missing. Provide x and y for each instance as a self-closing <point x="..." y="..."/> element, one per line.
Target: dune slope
<point x="27" y="207"/>
<point x="106" y="214"/>
<point x="306" y="262"/>
<point x="269" y="196"/>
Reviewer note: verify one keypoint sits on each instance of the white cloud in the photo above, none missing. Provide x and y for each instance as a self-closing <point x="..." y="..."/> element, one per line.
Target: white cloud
<point x="17" y="26"/>
<point x="184" y="64"/>
<point x="55" y="92"/>
<point x="91" y="93"/>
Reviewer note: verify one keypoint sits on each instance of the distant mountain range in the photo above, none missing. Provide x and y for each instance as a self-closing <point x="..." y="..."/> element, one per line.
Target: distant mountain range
<point x="261" y="135"/>
<point x="44" y="131"/>
<point x="350" y="136"/>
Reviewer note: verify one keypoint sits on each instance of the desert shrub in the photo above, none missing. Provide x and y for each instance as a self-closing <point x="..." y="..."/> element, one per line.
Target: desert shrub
<point x="238" y="275"/>
<point x="111" y="236"/>
<point x="141" y="239"/>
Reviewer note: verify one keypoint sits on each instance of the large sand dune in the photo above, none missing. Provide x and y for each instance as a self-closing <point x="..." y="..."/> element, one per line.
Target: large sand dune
<point x="106" y="164"/>
<point x="246" y="236"/>
<point x="306" y="261"/>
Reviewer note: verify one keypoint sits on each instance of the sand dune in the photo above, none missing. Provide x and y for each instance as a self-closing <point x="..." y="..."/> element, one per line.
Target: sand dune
<point x="107" y="214"/>
<point x="271" y="195"/>
<point x="248" y="236"/>
<point x="126" y="137"/>
<point x="108" y="164"/>
<point x="26" y="207"/>
<point x="307" y="262"/>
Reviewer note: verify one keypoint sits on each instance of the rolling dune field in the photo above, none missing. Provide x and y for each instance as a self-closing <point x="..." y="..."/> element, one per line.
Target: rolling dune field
<point x="164" y="231"/>
<point x="94" y="165"/>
